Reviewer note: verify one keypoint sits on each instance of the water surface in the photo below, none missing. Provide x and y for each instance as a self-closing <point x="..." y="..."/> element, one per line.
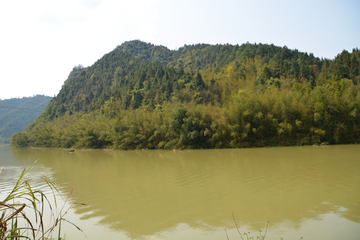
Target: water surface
<point x="310" y="192"/>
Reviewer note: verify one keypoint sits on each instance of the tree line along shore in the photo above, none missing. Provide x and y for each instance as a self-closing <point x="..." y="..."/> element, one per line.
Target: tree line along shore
<point x="142" y="96"/>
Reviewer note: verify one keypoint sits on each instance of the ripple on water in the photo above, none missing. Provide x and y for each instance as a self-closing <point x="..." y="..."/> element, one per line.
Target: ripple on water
<point x="148" y="194"/>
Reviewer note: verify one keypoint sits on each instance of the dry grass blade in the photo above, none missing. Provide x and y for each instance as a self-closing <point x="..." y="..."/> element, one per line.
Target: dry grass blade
<point x="17" y="236"/>
<point x="267" y="225"/>
<point x="15" y="212"/>
<point x="30" y="199"/>
<point x="237" y="227"/>
<point x="247" y="234"/>
<point x="61" y="215"/>
<point x="63" y="219"/>
<point x="226" y="234"/>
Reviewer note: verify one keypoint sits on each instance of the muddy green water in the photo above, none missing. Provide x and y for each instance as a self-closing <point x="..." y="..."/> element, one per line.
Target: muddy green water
<point x="309" y="192"/>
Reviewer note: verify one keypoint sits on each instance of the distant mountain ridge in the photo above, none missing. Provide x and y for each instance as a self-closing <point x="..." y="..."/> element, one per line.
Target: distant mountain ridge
<point x="17" y="113"/>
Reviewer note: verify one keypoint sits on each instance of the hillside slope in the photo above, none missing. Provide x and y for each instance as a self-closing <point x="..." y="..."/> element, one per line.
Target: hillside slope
<point x="203" y="96"/>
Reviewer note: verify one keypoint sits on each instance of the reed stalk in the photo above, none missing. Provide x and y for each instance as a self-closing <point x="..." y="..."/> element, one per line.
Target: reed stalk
<point x="22" y="200"/>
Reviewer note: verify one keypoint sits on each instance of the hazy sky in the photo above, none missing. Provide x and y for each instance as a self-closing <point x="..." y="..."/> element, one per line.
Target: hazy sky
<point x="42" y="40"/>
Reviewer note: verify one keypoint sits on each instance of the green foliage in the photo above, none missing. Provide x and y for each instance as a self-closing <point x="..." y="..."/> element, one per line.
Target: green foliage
<point x="202" y="96"/>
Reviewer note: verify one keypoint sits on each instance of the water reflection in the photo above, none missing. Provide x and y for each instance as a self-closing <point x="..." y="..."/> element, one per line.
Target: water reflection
<point x="145" y="193"/>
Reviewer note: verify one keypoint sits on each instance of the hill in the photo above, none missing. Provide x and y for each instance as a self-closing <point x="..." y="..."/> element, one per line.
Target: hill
<point x="17" y="113"/>
<point x="203" y="96"/>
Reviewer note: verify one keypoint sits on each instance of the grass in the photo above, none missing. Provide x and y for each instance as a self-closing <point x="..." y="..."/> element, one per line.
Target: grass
<point x="22" y="200"/>
<point x="246" y="236"/>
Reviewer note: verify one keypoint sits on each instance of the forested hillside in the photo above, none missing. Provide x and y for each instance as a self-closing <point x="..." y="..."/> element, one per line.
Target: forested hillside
<point x="203" y="96"/>
<point x="17" y="113"/>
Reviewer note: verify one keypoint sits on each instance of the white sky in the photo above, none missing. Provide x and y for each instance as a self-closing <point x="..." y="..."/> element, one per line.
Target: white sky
<point x="42" y="40"/>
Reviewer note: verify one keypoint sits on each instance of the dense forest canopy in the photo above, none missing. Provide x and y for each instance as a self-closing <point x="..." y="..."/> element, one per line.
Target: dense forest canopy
<point x="17" y="113"/>
<point x="203" y="96"/>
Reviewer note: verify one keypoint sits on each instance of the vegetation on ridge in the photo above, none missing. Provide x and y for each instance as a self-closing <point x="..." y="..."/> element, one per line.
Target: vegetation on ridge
<point x="202" y="96"/>
<point x="17" y="113"/>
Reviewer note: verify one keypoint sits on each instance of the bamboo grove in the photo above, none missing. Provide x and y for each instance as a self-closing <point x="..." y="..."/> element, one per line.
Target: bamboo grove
<point x="141" y="96"/>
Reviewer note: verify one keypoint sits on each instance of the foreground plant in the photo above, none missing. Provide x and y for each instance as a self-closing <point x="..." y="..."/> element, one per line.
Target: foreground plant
<point x="260" y="237"/>
<point x="22" y="200"/>
<point x="246" y="236"/>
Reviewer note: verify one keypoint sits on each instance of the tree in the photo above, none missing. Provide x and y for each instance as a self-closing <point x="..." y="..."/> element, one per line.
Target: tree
<point x="295" y="70"/>
<point x="199" y="81"/>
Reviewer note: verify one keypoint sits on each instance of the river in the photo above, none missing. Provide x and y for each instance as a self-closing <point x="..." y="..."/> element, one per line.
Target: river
<point x="310" y="192"/>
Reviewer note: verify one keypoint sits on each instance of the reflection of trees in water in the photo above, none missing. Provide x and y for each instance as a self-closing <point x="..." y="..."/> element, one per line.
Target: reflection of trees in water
<point x="147" y="192"/>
